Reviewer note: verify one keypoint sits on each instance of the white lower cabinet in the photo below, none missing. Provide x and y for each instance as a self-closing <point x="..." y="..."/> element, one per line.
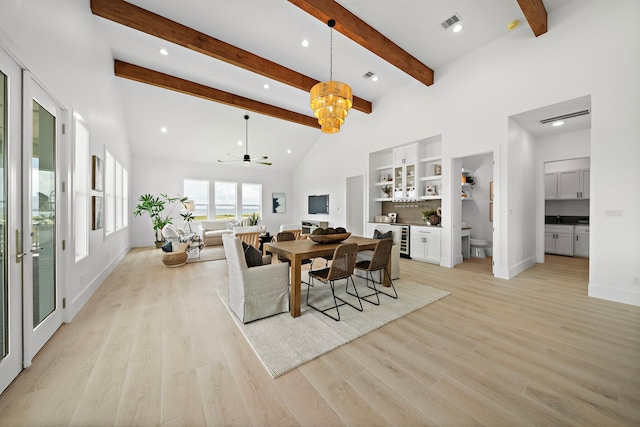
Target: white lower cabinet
<point x="581" y="244"/>
<point x="558" y="239"/>
<point x="425" y="244"/>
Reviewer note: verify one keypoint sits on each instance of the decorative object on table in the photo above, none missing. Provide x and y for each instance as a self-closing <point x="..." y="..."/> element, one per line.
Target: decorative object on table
<point x="154" y="207"/>
<point x="97" y="218"/>
<point x="431" y="190"/>
<point x="386" y="190"/>
<point x="246" y="159"/>
<point x="279" y="202"/>
<point x="393" y="217"/>
<point x="430" y="216"/>
<point x="254" y="219"/>
<point x="329" y="235"/>
<point x="97" y="178"/>
<point x="331" y="100"/>
<point x="438" y="170"/>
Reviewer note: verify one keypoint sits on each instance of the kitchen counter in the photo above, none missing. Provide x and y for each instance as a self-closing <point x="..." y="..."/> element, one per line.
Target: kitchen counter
<point x="566" y="220"/>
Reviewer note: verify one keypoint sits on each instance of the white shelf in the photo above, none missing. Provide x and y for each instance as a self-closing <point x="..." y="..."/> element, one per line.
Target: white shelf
<point x="466" y="198"/>
<point x="431" y="178"/>
<point x="383" y="199"/>
<point x="383" y="183"/>
<point x="467" y="171"/>
<point x="384" y="167"/>
<point x="431" y="159"/>
<point x="438" y="197"/>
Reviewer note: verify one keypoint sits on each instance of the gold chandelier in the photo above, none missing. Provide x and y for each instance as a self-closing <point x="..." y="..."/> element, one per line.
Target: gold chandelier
<point x="331" y="101"/>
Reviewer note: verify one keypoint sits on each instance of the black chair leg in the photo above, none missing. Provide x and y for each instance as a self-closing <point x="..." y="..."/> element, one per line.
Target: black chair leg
<point x="335" y="300"/>
<point x="395" y="293"/>
<point x="364" y="297"/>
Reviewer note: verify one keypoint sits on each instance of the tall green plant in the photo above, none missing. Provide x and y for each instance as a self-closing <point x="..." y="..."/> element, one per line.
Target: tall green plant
<point x="154" y="207"/>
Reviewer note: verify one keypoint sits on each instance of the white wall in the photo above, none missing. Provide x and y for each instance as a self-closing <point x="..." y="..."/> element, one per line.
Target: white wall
<point x="470" y="104"/>
<point x="157" y="176"/>
<point x="59" y="44"/>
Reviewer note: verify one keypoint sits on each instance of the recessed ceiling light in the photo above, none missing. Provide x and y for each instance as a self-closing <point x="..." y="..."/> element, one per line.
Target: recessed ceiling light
<point x="266" y="86"/>
<point x="239" y="142"/>
<point x="457" y="28"/>
<point x="163" y="51"/>
<point x="375" y="78"/>
<point x="288" y="151"/>
<point x="558" y="123"/>
<point x="305" y="43"/>
<point x="163" y="129"/>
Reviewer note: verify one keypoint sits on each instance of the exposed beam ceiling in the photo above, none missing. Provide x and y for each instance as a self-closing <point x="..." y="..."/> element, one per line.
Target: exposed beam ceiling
<point x="536" y="15"/>
<point x="368" y="37"/>
<point x="155" y="78"/>
<point x="142" y="20"/>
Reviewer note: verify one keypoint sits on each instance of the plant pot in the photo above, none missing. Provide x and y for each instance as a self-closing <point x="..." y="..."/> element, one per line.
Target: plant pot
<point x="159" y="244"/>
<point x="434" y="219"/>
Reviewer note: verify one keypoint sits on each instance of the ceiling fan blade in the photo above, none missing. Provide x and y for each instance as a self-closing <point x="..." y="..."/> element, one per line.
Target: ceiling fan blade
<point x="226" y="161"/>
<point x="265" y="163"/>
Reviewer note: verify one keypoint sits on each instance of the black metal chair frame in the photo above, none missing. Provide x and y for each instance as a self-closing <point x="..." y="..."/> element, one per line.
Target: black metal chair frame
<point x="323" y="276"/>
<point x="366" y="266"/>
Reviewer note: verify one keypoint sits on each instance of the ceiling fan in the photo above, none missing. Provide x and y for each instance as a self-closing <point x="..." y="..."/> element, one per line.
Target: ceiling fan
<point x="246" y="158"/>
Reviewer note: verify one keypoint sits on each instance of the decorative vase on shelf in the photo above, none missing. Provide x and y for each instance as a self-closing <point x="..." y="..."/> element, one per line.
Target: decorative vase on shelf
<point x="438" y="170"/>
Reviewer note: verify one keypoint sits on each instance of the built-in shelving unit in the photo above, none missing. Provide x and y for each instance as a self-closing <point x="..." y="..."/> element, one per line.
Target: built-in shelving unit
<point x="466" y="187"/>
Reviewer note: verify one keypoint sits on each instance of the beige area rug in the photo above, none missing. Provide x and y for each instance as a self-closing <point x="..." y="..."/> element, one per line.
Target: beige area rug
<point x="208" y="253"/>
<point x="283" y="343"/>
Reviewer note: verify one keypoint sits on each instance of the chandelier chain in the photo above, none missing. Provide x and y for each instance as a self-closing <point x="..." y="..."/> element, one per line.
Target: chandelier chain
<point x="330" y="53"/>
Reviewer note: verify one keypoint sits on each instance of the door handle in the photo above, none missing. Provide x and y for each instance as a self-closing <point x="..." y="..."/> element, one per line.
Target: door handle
<point x="19" y="246"/>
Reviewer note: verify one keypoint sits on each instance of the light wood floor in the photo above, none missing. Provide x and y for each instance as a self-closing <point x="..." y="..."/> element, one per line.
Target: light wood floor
<point x="155" y="346"/>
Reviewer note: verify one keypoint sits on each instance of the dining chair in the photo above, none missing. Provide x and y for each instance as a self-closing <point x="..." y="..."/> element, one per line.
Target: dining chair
<point x="378" y="262"/>
<point x="344" y="261"/>
<point x="251" y="238"/>
<point x="285" y="236"/>
<point x="296" y="229"/>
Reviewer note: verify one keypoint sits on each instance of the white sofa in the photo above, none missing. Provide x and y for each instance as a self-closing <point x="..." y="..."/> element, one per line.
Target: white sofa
<point x="256" y="292"/>
<point x="211" y="232"/>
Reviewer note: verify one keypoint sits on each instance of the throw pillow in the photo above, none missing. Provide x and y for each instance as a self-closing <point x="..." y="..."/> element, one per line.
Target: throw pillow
<point x="167" y="247"/>
<point x="252" y="255"/>
<point x="379" y="235"/>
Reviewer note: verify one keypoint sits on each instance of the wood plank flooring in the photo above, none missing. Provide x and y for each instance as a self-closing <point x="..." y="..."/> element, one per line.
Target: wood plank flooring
<point x="155" y="346"/>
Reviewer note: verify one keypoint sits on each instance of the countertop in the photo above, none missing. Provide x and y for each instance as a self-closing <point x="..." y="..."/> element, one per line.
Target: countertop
<point x="566" y="220"/>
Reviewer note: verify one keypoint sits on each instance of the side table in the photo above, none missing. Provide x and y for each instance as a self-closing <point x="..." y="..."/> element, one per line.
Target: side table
<point x="194" y="244"/>
<point x="264" y="238"/>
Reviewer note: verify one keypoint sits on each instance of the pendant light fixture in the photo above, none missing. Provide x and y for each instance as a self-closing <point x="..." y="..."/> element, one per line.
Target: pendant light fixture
<point x="331" y="101"/>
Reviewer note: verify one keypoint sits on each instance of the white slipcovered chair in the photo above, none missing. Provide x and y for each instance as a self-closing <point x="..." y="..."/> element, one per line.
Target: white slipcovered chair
<point x="256" y="292"/>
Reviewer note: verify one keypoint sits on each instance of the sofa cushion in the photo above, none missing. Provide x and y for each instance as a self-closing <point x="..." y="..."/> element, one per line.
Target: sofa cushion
<point x="252" y="256"/>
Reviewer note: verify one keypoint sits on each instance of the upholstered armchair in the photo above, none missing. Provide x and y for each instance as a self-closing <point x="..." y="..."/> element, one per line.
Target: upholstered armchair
<point x="254" y="292"/>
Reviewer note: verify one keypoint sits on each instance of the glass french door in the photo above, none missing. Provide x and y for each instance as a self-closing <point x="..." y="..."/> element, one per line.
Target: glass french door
<point x="42" y="303"/>
<point x="11" y="354"/>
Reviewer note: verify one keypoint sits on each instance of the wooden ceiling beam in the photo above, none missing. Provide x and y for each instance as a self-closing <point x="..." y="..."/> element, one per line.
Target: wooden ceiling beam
<point x="148" y="22"/>
<point x="166" y="81"/>
<point x="536" y="15"/>
<point x="366" y="36"/>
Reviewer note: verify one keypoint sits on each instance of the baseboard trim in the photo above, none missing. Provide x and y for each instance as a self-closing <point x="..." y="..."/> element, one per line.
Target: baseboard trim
<point x="521" y="266"/>
<point x="623" y="296"/>
<point x="79" y="301"/>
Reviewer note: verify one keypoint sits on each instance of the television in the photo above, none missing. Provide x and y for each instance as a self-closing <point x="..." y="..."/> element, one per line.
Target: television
<point x="319" y="204"/>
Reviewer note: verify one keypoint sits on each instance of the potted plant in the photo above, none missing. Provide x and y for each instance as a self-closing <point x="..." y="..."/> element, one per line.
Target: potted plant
<point x="387" y="190"/>
<point x="154" y="207"/>
<point x="254" y="218"/>
<point x="188" y="217"/>
<point x="430" y="216"/>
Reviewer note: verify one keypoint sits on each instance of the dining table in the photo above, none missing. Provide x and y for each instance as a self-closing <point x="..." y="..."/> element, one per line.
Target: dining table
<point x="298" y="250"/>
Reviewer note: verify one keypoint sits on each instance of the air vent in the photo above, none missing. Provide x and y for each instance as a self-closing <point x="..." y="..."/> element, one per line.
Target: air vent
<point x="564" y="116"/>
<point x="450" y="21"/>
<point x="368" y="74"/>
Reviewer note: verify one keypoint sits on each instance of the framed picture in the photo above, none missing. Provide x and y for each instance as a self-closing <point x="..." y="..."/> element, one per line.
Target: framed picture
<point x="279" y="202"/>
<point x="491" y="211"/>
<point x="97" y="217"/>
<point x="97" y="179"/>
<point x="491" y="191"/>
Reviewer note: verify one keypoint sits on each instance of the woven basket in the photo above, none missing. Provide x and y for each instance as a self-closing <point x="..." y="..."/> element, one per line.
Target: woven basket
<point x="174" y="259"/>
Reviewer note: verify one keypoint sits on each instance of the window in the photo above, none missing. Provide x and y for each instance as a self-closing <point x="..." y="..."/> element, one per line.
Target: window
<point x="110" y="196"/>
<point x="251" y="196"/>
<point x="125" y="198"/>
<point x="225" y="200"/>
<point x="118" y="195"/>
<point x="80" y="192"/>
<point x="198" y="191"/>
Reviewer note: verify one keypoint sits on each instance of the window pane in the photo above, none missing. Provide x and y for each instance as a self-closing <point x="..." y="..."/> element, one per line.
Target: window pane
<point x="198" y="191"/>
<point x="125" y="198"/>
<point x="118" y="195"/>
<point x="80" y="192"/>
<point x="110" y="187"/>
<point x="225" y="197"/>
<point x="251" y="196"/>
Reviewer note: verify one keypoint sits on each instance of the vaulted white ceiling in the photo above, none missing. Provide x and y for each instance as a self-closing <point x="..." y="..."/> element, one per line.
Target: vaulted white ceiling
<point x="203" y="130"/>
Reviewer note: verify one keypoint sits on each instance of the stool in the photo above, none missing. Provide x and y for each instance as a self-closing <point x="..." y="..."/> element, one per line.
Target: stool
<point x="477" y="247"/>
